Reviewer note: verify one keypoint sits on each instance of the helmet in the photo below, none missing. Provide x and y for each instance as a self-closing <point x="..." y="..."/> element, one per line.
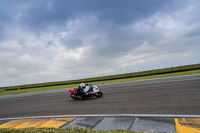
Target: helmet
<point x="82" y="85"/>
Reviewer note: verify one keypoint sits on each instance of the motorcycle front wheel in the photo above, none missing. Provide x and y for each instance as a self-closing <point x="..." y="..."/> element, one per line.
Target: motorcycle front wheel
<point x="99" y="94"/>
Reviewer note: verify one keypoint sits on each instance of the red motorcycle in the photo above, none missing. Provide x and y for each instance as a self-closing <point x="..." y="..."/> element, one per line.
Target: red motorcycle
<point x="94" y="92"/>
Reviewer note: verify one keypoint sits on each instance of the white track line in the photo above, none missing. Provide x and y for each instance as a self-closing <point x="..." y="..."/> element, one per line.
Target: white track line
<point x="109" y="115"/>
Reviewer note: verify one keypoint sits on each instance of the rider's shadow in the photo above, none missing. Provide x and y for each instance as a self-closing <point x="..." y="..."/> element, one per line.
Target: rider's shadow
<point x="86" y="99"/>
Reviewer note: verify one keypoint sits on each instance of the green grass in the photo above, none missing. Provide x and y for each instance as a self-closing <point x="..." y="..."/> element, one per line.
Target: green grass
<point x="100" y="82"/>
<point x="67" y="130"/>
<point x="153" y="76"/>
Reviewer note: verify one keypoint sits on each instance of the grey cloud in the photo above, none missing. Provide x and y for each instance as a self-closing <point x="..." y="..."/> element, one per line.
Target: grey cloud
<point x="92" y="37"/>
<point x="40" y="14"/>
<point x="119" y="41"/>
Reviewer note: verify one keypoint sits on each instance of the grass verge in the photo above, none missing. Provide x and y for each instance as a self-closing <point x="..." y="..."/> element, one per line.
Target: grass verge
<point x="110" y="77"/>
<point x="101" y="82"/>
<point x="67" y="130"/>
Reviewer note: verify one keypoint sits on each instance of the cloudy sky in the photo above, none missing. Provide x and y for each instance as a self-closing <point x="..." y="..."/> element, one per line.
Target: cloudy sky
<point x="56" y="40"/>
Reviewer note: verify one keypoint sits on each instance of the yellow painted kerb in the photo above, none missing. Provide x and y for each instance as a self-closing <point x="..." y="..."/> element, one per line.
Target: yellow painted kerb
<point x="187" y="125"/>
<point x="43" y="122"/>
<point x="14" y="123"/>
<point x="32" y="123"/>
<point x="57" y="122"/>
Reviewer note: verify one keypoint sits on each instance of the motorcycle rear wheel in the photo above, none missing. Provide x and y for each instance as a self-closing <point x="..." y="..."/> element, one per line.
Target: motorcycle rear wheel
<point x="73" y="96"/>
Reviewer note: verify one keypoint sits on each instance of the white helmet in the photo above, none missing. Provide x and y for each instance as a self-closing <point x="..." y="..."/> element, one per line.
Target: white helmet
<point x="82" y="85"/>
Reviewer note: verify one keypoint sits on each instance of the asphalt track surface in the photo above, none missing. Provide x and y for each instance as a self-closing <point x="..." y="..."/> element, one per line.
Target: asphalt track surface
<point x="173" y="96"/>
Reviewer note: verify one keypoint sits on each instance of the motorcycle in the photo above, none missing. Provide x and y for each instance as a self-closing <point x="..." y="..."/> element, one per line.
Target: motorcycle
<point x="94" y="92"/>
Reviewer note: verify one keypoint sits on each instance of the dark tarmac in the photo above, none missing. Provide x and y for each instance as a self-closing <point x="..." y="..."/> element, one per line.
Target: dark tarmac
<point x="166" y="96"/>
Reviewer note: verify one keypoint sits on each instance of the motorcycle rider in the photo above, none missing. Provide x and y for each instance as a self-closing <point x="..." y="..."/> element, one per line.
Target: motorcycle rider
<point x="90" y="86"/>
<point x="80" y="90"/>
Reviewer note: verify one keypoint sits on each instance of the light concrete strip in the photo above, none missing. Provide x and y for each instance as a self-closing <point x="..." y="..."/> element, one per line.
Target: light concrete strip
<point x="112" y="123"/>
<point x="126" y="123"/>
<point x="154" y="124"/>
<point x="84" y="122"/>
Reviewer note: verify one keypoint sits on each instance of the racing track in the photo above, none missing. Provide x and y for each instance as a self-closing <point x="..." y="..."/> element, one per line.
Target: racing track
<point x="160" y="96"/>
